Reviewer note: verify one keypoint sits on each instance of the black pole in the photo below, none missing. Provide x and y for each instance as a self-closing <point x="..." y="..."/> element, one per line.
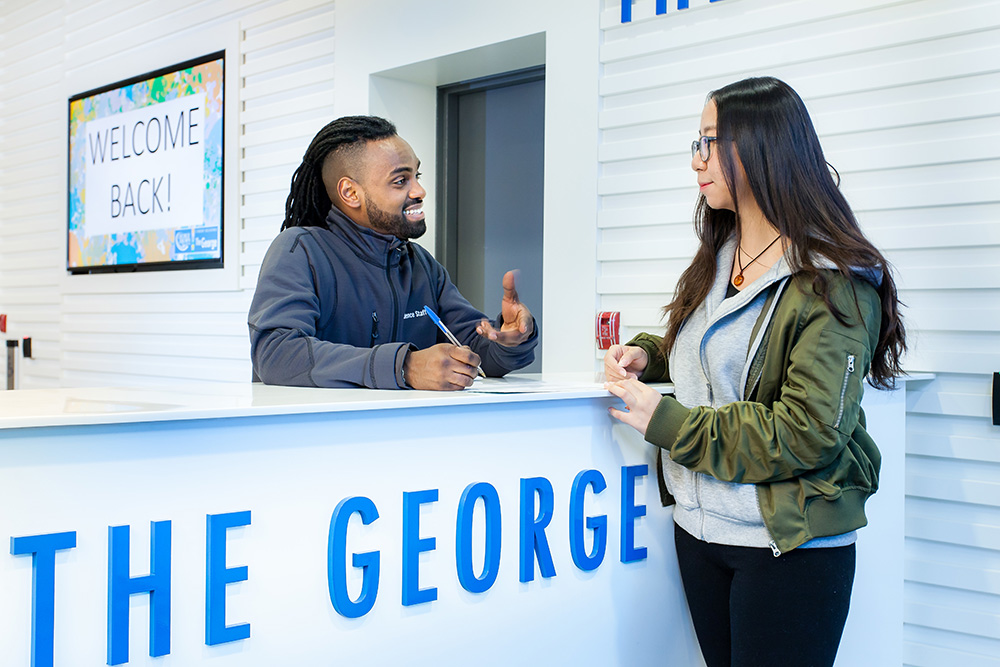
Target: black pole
<point x="11" y="346"/>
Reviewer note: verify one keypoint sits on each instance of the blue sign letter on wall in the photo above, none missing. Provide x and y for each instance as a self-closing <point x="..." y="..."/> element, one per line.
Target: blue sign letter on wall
<point x="43" y="589"/>
<point x="413" y="546"/>
<point x="631" y="512"/>
<point x="598" y="524"/>
<point x="661" y="8"/>
<point x="533" y="540"/>
<point x="218" y="576"/>
<point x="336" y="562"/>
<point x="463" y="537"/>
<point x="121" y="587"/>
<point x="626" y="11"/>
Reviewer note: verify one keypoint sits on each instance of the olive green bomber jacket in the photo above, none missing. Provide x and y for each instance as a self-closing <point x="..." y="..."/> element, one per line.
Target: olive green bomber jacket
<point x="799" y="435"/>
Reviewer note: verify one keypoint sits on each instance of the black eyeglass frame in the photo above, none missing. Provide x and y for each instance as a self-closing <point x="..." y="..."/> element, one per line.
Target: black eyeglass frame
<point x="703" y="141"/>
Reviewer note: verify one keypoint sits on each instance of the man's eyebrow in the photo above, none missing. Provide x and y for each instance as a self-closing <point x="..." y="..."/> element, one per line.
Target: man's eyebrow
<point x="400" y="170"/>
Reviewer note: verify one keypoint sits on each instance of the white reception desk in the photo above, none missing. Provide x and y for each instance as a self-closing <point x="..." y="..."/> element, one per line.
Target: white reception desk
<point x="288" y="526"/>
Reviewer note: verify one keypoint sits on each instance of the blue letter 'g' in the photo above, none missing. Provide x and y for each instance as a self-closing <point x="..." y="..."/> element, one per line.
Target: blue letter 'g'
<point x="598" y="524"/>
<point x="336" y="575"/>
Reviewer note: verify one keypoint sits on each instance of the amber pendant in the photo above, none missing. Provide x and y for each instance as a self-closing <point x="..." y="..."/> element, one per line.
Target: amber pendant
<point x="738" y="280"/>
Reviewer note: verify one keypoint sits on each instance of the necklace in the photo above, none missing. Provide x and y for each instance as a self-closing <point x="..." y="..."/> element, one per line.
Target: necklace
<point x="738" y="280"/>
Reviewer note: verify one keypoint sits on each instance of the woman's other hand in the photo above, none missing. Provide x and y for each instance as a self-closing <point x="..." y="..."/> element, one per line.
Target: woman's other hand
<point x="623" y="362"/>
<point x="640" y="402"/>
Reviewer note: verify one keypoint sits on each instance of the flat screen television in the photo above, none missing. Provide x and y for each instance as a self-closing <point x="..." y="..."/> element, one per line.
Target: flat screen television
<point x="146" y="171"/>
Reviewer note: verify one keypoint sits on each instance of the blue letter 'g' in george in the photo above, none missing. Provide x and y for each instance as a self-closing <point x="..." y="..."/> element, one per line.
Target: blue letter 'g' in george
<point x="336" y="575"/>
<point x="217" y="576"/>
<point x="598" y="524"/>
<point x="43" y="589"/>
<point x="121" y="587"/>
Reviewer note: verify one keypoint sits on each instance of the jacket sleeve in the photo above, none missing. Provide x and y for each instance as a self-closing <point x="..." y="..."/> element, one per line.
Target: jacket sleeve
<point x="283" y="321"/>
<point x="806" y="428"/>
<point x="463" y="318"/>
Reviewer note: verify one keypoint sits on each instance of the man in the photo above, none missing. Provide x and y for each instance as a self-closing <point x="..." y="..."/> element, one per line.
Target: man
<point x="341" y="293"/>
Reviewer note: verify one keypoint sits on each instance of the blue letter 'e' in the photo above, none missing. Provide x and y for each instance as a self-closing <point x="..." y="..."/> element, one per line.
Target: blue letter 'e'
<point x="217" y="576"/>
<point x="631" y="512"/>
<point x="413" y="546"/>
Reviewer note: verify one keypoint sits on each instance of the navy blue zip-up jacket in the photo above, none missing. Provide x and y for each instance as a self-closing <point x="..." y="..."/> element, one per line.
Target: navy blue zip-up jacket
<point x="340" y="306"/>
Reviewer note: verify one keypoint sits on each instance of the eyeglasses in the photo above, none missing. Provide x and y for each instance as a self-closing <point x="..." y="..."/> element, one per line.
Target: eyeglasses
<point x="702" y="147"/>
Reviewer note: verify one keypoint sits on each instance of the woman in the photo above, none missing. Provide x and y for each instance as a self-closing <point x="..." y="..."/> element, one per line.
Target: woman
<point x="784" y="311"/>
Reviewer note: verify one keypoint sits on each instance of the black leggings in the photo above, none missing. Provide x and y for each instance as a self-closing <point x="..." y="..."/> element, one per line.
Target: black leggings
<point x="750" y="608"/>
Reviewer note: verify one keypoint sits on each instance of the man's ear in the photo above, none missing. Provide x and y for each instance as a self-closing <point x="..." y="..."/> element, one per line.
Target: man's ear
<point x="349" y="192"/>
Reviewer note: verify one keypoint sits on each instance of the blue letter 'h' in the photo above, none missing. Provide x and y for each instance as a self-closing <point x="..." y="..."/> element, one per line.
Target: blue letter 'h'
<point x="121" y="587"/>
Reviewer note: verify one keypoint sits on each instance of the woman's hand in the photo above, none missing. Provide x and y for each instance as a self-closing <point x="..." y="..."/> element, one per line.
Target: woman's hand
<point x="640" y="402"/>
<point x="622" y="362"/>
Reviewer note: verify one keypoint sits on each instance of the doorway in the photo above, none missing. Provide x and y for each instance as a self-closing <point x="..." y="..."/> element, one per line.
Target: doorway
<point x="491" y="159"/>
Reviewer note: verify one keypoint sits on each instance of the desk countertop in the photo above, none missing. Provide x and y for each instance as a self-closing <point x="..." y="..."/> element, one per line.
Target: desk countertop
<point x="32" y="408"/>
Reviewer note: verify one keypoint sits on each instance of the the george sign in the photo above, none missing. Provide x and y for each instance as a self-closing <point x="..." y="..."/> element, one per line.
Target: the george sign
<point x="661" y="7"/>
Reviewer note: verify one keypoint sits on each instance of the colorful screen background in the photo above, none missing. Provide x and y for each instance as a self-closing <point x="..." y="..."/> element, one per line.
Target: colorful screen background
<point x="168" y="245"/>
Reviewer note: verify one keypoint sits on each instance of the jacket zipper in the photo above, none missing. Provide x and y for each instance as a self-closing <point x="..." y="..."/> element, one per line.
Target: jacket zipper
<point x="843" y="389"/>
<point x="771" y="543"/>
<point x="392" y="290"/>
<point x="374" y="328"/>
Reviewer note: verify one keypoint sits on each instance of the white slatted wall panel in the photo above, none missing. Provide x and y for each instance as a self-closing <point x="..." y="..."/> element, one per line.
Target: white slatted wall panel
<point x="32" y="177"/>
<point x="157" y="337"/>
<point x="287" y="98"/>
<point x="906" y="97"/>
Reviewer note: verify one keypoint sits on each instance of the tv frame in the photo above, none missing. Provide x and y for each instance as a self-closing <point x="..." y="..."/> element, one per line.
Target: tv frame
<point x="173" y="265"/>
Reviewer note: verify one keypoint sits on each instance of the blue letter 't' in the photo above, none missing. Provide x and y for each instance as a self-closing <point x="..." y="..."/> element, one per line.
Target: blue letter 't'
<point x="43" y="589"/>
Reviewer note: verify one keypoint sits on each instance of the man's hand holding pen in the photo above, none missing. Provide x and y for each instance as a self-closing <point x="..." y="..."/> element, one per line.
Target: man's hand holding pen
<point x="441" y="367"/>
<point x="452" y="366"/>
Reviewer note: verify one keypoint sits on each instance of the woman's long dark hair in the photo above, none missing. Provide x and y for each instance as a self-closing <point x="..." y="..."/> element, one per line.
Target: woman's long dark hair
<point x="308" y="203"/>
<point x="764" y="125"/>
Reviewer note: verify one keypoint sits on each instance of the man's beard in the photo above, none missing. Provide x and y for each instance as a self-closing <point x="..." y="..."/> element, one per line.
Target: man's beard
<point x="394" y="224"/>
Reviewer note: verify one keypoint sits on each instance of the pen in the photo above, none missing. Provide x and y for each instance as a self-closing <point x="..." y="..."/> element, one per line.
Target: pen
<point x="451" y="337"/>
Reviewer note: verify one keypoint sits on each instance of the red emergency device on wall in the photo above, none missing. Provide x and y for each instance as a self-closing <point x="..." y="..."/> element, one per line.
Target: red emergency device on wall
<point x="607" y="329"/>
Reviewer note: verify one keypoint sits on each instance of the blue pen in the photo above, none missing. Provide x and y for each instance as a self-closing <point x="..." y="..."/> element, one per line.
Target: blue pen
<point x="447" y="332"/>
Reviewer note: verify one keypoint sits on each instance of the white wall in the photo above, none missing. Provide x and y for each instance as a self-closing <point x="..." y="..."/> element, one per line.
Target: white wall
<point x="906" y="98"/>
<point x="438" y="42"/>
<point x="182" y="327"/>
<point x="904" y="92"/>
<point x="190" y="327"/>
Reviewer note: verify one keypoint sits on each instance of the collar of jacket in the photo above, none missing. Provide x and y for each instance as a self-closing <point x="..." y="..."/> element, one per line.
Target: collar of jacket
<point x="369" y="245"/>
